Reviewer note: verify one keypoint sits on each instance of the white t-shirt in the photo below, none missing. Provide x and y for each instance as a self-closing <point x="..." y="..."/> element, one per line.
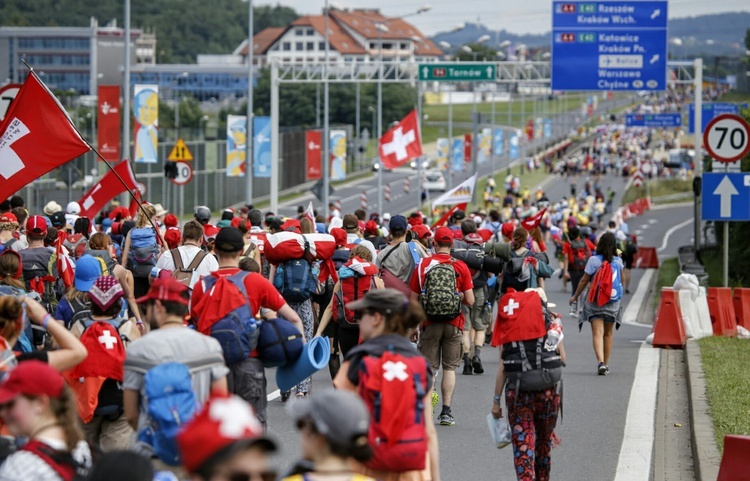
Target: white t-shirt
<point x="208" y="265"/>
<point x="355" y="239"/>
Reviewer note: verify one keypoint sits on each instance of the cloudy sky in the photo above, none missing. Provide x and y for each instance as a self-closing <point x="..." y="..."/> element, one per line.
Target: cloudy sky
<point x="527" y="16"/>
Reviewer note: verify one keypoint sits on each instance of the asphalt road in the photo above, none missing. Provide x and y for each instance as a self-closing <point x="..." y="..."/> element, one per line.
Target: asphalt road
<point x="595" y="407"/>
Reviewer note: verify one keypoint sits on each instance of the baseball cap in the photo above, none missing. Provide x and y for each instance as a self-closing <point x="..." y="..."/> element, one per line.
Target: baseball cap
<point x="229" y="239"/>
<point x="385" y="300"/>
<point x="398" y="222"/>
<point x="173" y="236"/>
<point x="73" y="208"/>
<point x="386" y="217"/>
<point x="203" y="214"/>
<point x="105" y="291"/>
<point x="443" y="234"/>
<point x="350" y="221"/>
<point x="371" y="227"/>
<point x="88" y="270"/>
<point x="459" y="215"/>
<point x="36" y="225"/>
<point x="210" y="232"/>
<point x="170" y="220"/>
<point x="225" y="426"/>
<point x="292" y="225"/>
<point x="52" y="207"/>
<point x="8" y="217"/>
<point x="473" y="238"/>
<point x="340" y="416"/>
<point x="165" y="289"/>
<point x="507" y="229"/>
<point x="57" y="219"/>
<point x="339" y="236"/>
<point x="422" y="231"/>
<point x="32" y="378"/>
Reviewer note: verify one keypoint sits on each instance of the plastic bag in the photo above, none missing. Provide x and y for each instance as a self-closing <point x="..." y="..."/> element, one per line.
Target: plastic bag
<point x="687" y="282"/>
<point x="742" y="333"/>
<point x="499" y="430"/>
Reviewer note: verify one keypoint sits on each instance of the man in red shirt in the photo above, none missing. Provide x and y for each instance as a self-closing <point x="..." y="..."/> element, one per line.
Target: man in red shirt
<point x="442" y="341"/>
<point x="243" y="377"/>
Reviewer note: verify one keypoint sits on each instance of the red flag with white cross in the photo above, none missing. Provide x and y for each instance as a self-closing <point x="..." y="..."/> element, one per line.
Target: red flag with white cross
<point x="36" y="136"/>
<point x="401" y="143"/>
<point x="107" y="189"/>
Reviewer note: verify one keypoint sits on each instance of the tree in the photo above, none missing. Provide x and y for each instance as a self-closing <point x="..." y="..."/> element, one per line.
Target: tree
<point x="480" y="51"/>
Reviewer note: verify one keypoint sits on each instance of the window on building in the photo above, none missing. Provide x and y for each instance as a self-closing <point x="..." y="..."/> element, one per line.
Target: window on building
<point x="287" y="46"/>
<point x="299" y="46"/>
<point x="404" y="46"/>
<point x="310" y="31"/>
<point x="299" y="31"/>
<point x="387" y="46"/>
<point x="310" y="46"/>
<point x="321" y="45"/>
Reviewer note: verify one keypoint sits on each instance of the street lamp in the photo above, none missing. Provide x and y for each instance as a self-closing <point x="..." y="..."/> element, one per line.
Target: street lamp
<point x="202" y="127"/>
<point x="183" y="75"/>
<point x="483" y="38"/>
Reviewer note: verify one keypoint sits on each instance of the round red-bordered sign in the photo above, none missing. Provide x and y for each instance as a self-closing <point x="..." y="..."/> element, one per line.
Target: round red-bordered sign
<point x="727" y="138"/>
<point x="184" y="173"/>
<point x="7" y="94"/>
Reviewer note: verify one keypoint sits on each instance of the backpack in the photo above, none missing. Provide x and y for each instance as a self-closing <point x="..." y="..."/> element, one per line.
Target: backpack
<point x="25" y="341"/>
<point x="606" y="284"/>
<point x="61" y="462"/>
<point x="352" y="289"/>
<point x="238" y="330"/>
<point x="76" y="244"/>
<point x="182" y="273"/>
<point x="81" y="311"/>
<point x="579" y="255"/>
<point x="440" y="297"/>
<point x="295" y="280"/>
<point x="517" y="277"/>
<point x="391" y="280"/>
<point x="143" y="251"/>
<point x="106" y="261"/>
<point x="39" y="276"/>
<point x="393" y="386"/>
<point x="7" y="245"/>
<point x="479" y="265"/>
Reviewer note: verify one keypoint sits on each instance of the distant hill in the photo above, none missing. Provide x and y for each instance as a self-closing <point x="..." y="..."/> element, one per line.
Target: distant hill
<point x="708" y="35"/>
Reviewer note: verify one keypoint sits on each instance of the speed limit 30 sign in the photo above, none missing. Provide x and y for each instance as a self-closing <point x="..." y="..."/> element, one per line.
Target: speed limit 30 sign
<point x="727" y="138"/>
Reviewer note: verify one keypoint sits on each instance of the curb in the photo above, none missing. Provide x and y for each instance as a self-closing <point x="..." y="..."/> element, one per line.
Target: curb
<point x="706" y="456"/>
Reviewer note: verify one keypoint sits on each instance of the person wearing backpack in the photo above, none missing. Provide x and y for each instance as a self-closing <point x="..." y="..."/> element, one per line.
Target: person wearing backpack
<point x="39" y="266"/>
<point x="602" y="306"/>
<point x="441" y="285"/>
<point x="188" y="263"/>
<point x="106" y="337"/>
<point x="224" y="292"/>
<point x="141" y="249"/>
<point x="473" y="337"/>
<point x="576" y="254"/>
<point x="530" y="373"/>
<point x="169" y="373"/>
<point x="523" y="269"/>
<point x="76" y="305"/>
<point x="36" y="404"/>
<point x="8" y="227"/>
<point x="394" y="380"/>
<point x="629" y="248"/>
<point x="78" y="242"/>
<point x="398" y="260"/>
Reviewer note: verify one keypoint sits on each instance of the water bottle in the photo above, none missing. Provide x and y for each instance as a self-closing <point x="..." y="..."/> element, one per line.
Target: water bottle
<point x="574" y="309"/>
<point x="554" y="335"/>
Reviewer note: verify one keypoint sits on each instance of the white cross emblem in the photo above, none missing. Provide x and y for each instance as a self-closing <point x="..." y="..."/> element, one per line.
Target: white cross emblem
<point x="10" y="162"/>
<point x="511" y="307"/>
<point x="235" y="417"/>
<point x="399" y="143"/>
<point x="395" y="370"/>
<point x="107" y="339"/>
<point x="313" y="146"/>
<point x="90" y="198"/>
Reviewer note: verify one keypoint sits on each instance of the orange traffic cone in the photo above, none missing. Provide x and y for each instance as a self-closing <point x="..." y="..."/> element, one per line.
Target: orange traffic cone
<point x="669" y="331"/>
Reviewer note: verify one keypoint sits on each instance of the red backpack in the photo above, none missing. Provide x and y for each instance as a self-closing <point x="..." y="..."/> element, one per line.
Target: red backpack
<point x="393" y="387"/>
<point x="353" y="288"/>
<point x="579" y="255"/>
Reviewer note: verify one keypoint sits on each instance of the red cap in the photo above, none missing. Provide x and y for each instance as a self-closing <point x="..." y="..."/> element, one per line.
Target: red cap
<point x="165" y="289"/>
<point x="339" y="235"/>
<point x="292" y="225"/>
<point x="36" y="225"/>
<point x="473" y="238"/>
<point x="507" y="229"/>
<point x="443" y="234"/>
<point x="173" y="236"/>
<point x="170" y="220"/>
<point x="9" y="217"/>
<point x="415" y="220"/>
<point x="32" y="378"/>
<point x="457" y="234"/>
<point x="371" y="227"/>
<point x="422" y="231"/>
<point x="486" y="234"/>
<point x="224" y="421"/>
<point x="236" y="222"/>
<point x="210" y="231"/>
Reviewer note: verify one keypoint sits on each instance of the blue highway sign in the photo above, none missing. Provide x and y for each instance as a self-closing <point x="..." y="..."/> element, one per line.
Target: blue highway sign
<point x="654" y="120"/>
<point x="726" y="196"/>
<point x="711" y="110"/>
<point x="609" y="45"/>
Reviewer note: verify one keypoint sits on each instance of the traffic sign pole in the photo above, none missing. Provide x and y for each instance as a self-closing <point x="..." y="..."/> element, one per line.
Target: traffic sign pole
<point x="698" y="170"/>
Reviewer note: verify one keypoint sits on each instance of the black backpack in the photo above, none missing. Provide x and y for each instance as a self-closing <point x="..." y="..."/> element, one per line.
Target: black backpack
<point x="512" y="272"/>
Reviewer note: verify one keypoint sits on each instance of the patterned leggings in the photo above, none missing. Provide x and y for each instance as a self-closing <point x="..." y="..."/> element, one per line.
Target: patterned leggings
<point x="304" y="311"/>
<point x="532" y="416"/>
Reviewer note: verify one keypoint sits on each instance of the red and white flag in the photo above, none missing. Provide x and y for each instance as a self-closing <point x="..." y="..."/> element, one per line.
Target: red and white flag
<point x="401" y="143"/>
<point x="36" y="136"/>
<point x="65" y="269"/>
<point x="533" y="221"/>
<point x="310" y="213"/>
<point x="107" y="189"/>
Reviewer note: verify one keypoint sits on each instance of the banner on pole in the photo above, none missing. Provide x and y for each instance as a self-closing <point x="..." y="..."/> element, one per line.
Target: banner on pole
<point x="146" y="125"/>
<point x="236" y="145"/>
<point x="443" y="152"/>
<point x="313" y="150"/>
<point x="338" y="154"/>
<point x="459" y="194"/>
<point x="262" y="147"/>
<point x="108" y="122"/>
<point x="498" y="146"/>
<point x="458" y="155"/>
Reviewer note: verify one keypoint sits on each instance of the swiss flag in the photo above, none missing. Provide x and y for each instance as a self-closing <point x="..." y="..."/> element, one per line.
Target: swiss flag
<point x="107" y="188"/>
<point x="36" y="136"/>
<point x="533" y="221"/>
<point x="519" y="318"/>
<point x="401" y="143"/>
<point x="65" y="269"/>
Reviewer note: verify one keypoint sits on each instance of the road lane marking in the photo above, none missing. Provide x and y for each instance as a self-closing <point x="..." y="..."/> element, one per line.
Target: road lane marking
<point x="671" y="231"/>
<point x="630" y="315"/>
<point x="274" y="395"/>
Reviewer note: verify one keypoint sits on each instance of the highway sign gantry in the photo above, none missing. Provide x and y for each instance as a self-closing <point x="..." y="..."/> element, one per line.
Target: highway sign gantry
<point x="457" y="72"/>
<point x="654" y="120"/>
<point x="726" y="196"/>
<point x="727" y="138"/>
<point x="609" y="45"/>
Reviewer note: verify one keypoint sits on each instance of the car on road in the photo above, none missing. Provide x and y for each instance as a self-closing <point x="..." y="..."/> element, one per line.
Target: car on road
<point x="376" y="165"/>
<point x="434" y="180"/>
<point x="425" y="162"/>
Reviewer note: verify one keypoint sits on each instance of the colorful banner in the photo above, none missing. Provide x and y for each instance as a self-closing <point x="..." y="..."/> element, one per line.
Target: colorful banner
<point x="547" y="128"/>
<point x="146" y="125"/>
<point x="513" y="146"/>
<point x="262" y="147"/>
<point x="108" y="122"/>
<point x="313" y="149"/>
<point x="338" y="154"/>
<point x="538" y="132"/>
<point x="236" y="145"/>
<point x="458" y="155"/>
<point x="498" y="146"/>
<point x="459" y="194"/>
<point x="442" y="153"/>
<point x="468" y="143"/>
<point x="484" y="149"/>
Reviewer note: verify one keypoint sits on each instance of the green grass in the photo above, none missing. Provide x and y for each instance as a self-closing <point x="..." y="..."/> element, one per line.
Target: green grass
<point x="658" y="188"/>
<point x="735" y="96"/>
<point x="725" y="364"/>
<point x="713" y="264"/>
<point x="668" y="272"/>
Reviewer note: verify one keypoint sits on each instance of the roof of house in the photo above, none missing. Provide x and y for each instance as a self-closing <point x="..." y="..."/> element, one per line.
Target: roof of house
<point x="262" y="41"/>
<point x="337" y="36"/>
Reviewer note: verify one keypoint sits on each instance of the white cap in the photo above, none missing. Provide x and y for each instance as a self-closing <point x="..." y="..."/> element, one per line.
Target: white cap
<point x="477" y="219"/>
<point x="387" y="216"/>
<point x="73" y="208"/>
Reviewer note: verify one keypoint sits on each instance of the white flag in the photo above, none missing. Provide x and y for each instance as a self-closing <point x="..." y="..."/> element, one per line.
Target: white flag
<point x="463" y="192"/>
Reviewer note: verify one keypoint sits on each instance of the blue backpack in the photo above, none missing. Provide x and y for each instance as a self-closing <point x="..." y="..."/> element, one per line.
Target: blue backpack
<point x="616" y="281"/>
<point x="295" y="280"/>
<point x="238" y="331"/>
<point x="144" y="251"/>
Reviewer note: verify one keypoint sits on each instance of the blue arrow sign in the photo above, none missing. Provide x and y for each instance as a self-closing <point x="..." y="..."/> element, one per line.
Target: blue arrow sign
<point x="711" y="110"/>
<point x="609" y="45"/>
<point x="726" y="196"/>
<point x="653" y="120"/>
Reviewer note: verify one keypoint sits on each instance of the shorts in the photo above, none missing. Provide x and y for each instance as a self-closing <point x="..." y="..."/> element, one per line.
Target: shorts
<point x="476" y="315"/>
<point x="442" y="343"/>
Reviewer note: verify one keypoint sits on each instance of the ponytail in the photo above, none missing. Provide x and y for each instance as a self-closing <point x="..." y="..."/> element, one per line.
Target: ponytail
<point x="66" y="414"/>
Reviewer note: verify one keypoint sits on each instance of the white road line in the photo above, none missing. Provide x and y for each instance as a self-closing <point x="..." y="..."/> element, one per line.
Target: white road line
<point x="274" y="395"/>
<point x="644" y="226"/>
<point x="652" y="221"/>
<point x="630" y="315"/>
<point x="634" y="463"/>
<point x="671" y="231"/>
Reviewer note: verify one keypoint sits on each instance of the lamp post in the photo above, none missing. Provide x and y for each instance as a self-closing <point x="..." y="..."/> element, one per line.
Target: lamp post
<point x="249" y="139"/>
<point x="177" y="101"/>
<point x="202" y="126"/>
<point x="380" y="27"/>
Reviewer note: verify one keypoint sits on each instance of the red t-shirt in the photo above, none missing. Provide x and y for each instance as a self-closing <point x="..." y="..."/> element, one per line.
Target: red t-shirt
<point x="260" y="291"/>
<point x="463" y="280"/>
<point x="567" y="251"/>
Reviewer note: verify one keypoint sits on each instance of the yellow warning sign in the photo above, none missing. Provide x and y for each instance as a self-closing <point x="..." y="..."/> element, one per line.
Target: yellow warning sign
<point x="180" y="152"/>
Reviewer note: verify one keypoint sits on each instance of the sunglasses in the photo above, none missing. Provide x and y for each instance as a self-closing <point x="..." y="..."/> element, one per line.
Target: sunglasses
<point x="243" y="476"/>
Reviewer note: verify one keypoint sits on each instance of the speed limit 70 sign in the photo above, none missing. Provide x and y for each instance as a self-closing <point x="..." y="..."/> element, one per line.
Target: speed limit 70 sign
<point x="727" y="138"/>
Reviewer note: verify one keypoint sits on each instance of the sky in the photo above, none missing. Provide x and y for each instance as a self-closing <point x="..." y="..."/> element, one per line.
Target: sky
<point x="535" y="16"/>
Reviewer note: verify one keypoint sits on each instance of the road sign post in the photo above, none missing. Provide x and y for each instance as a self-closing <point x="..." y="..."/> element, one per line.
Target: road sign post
<point x="180" y="152"/>
<point x="458" y="72"/>
<point x="609" y="45"/>
<point x="184" y="176"/>
<point x="727" y="138"/>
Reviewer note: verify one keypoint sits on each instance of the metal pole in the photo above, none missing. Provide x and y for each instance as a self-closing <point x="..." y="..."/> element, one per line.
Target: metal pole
<point x="275" y="138"/>
<point x="725" y="260"/>
<point x="317" y="105"/>
<point x="450" y="135"/>
<point x="357" y="114"/>
<point x="419" y="161"/>
<point x="326" y="134"/>
<point x="182" y="202"/>
<point x="380" y="117"/>
<point x="474" y="147"/>
<point x="126" y="88"/>
<point x="698" y="171"/>
<point x="492" y="135"/>
<point x="176" y="117"/>
<point x="249" y="139"/>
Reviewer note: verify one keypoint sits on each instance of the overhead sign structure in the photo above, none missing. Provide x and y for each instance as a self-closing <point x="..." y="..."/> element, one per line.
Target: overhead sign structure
<point x="184" y="174"/>
<point x="180" y="152"/>
<point x="727" y="138"/>
<point x="725" y="196"/>
<point x="654" y="120"/>
<point x="457" y="72"/>
<point x="609" y="45"/>
<point x="712" y="110"/>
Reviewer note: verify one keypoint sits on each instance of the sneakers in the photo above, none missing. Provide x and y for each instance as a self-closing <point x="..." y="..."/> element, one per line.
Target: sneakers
<point x="434" y="399"/>
<point x="476" y="363"/>
<point x="468" y="370"/>
<point x="603" y="369"/>
<point x="446" y="419"/>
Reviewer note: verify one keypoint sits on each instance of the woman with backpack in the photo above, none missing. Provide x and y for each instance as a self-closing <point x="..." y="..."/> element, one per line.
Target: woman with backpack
<point x="387" y="319"/>
<point x="141" y="248"/>
<point x="76" y="304"/>
<point x="601" y="306"/>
